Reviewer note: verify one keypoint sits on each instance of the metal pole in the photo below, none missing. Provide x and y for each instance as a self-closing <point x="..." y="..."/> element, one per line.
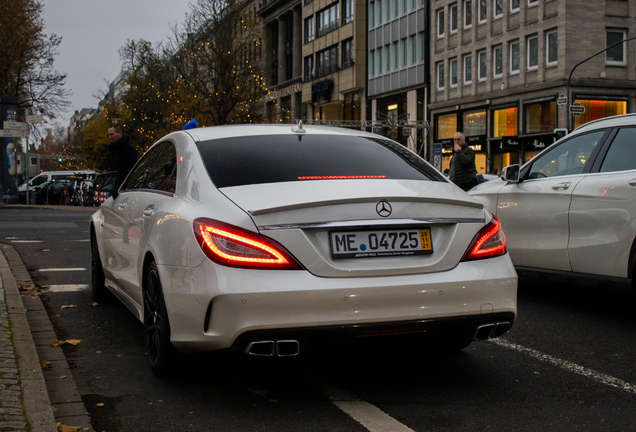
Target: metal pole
<point x="579" y="64"/>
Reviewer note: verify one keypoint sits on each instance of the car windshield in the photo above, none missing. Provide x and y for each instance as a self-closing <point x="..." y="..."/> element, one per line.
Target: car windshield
<point x="283" y="158"/>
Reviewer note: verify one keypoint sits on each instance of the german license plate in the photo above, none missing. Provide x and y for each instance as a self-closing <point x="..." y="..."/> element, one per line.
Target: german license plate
<point x="381" y="243"/>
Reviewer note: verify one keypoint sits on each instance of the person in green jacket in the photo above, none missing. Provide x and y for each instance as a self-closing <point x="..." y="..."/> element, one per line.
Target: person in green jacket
<point x="462" y="165"/>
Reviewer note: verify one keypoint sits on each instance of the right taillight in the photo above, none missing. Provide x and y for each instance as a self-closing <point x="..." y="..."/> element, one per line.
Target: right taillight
<point x="489" y="242"/>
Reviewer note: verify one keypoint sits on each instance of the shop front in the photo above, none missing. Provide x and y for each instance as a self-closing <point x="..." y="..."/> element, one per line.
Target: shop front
<point x="472" y="125"/>
<point x="504" y="145"/>
<point x="540" y="121"/>
<point x="597" y="108"/>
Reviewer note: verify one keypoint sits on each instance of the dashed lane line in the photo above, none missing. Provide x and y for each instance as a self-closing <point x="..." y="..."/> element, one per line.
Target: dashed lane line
<point x="27" y="241"/>
<point x="62" y="269"/>
<point x="569" y="366"/>
<point x="66" y="288"/>
<point x="369" y="416"/>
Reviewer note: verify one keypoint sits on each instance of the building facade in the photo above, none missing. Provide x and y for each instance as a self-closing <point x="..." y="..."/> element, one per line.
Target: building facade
<point x="397" y="64"/>
<point x="315" y="63"/>
<point x="499" y="67"/>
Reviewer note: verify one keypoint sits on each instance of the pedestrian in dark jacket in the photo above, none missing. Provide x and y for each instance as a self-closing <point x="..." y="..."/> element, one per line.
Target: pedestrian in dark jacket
<point x="462" y="166"/>
<point x="124" y="156"/>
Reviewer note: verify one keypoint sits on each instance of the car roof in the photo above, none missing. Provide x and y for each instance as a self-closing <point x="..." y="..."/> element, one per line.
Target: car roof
<point x="613" y="121"/>
<point x="230" y="131"/>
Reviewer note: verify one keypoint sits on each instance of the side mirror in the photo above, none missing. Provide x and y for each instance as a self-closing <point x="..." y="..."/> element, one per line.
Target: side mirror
<point x="511" y="173"/>
<point x="107" y="182"/>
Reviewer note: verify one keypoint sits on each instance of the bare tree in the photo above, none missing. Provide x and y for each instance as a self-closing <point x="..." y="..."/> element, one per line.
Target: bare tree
<point x="26" y="59"/>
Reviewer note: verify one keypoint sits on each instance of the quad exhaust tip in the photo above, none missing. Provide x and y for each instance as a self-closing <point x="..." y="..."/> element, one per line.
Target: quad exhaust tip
<point x="491" y="330"/>
<point x="270" y="348"/>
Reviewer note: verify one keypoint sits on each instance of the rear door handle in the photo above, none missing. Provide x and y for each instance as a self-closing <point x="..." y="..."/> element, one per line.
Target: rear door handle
<point x="632" y="182"/>
<point x="148" y="211"/>
<point x="564" y="186"/>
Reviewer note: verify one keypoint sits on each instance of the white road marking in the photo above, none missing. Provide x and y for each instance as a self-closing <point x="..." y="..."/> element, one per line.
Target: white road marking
<point x="369" y="416"/>
<point x="84" y="240"/>
<point x="572" y="367"/>
<point x="62" y="269"/>
<point x="66" y="288"/>
<point x="11" y="238"/>
<point x="27" y="241"/>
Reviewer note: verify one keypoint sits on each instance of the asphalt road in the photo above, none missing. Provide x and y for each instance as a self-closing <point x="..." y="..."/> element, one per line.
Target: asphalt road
<point x="569" y="364"/>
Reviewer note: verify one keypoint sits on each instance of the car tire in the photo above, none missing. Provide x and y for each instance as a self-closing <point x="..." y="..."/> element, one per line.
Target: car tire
<point x="98" y="280"/>
<point x="161" y="353"/>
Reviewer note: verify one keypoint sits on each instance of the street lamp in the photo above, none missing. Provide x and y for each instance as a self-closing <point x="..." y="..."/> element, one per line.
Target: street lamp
<point x="579" y="64"/>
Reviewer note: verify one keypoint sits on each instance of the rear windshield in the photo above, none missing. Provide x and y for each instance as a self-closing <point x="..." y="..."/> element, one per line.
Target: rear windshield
<point x="284" y="158"/>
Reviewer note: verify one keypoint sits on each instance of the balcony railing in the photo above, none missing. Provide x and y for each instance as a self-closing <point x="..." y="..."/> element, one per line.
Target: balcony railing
<point x="327" y="28"/>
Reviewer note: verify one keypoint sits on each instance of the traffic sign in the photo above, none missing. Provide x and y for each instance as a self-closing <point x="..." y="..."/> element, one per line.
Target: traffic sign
<point x="13" y="133"/>
<point x="15" y="125"/>
<point x="562" y="100"/>
<point x="577" y="108"/>
<point x="35" y="118"/>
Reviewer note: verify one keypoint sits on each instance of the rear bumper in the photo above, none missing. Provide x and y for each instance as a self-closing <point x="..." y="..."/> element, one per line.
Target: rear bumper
<point x="213" y="307"/>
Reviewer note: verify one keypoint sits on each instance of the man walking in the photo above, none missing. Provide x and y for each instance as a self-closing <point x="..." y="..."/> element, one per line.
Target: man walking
<point x="462" y="166"/>
<point x="124" y="156"/>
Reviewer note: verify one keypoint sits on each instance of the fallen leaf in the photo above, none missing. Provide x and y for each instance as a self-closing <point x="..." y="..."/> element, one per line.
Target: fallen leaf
<point x="94" y="304"/>
<point x="86" y="429"/>
<point x="45" y="364"/>
<point x="73" y="341"/>
<point x="27" y="287"/>
<point x="46" y="250"/>
<point x="63" y="376"/>
<point x="57" y="315"/>
<point x="100" y="404"/>
<point x="65" y="428"/>
<point x="68" y="306"/>
<point x="53" y="408"/>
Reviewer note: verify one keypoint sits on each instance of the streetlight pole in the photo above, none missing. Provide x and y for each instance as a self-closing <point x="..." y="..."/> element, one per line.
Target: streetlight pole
<point x="579" y="64"/>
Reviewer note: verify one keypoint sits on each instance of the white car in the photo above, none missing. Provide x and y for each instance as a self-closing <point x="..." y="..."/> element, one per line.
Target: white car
<point x="571" y="211"/>
<point x="273" y="239"/>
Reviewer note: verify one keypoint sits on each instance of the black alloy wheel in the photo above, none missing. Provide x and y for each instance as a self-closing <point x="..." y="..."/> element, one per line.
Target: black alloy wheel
<point x="161" y="353"/>
<point x="98" y="286"/>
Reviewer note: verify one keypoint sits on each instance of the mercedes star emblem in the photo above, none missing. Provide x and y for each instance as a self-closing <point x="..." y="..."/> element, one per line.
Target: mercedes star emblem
<point x="383" y="208"/>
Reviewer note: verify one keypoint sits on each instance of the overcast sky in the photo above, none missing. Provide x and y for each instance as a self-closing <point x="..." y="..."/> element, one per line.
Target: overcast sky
<point x="93" y="31"/>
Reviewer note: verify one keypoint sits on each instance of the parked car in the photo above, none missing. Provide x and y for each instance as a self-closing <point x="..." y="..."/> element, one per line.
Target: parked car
<point x="571" y="211"/>
<point x="48" y="176"/>
<point x="53" y="192"/>
<point x="275" y="240"/>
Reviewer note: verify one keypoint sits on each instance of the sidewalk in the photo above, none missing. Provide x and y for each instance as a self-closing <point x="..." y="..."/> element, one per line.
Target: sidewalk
<point x="26" y="391"/>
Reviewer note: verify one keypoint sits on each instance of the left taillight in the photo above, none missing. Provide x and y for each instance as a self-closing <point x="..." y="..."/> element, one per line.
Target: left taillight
<point x="489" y="242"/>
<point x="235" y="247"/>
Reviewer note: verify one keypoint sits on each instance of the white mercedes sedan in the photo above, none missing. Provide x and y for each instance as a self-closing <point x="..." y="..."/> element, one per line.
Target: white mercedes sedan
<point x="274" y="240"/>
<point x="570" y="212"/>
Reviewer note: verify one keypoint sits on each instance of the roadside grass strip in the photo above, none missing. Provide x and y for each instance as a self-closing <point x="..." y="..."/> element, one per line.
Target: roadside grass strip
<point x="569" y="366"/>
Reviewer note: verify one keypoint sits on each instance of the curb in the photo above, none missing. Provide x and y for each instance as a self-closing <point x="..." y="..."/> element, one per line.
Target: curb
<point x="32" y="333"/>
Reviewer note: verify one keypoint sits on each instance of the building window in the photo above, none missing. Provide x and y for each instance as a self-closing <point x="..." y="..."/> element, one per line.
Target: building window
<point x="483" y="66"/>
<point x="309" y="68"/>
<point x="371" y="17"/>
<point x="540" y="117"/>
<point x="597" y="109"/>
<point x="403" y="52"/>
<point x="453" y="18"/>
<point x="453" y="74"/>
<point x="404" y="6"/>
<point x="440" y="23"/>
<point x="497" y="58"/>
<point x="396" y="7"/>
<point x="372" y="64"/>
<point x="347" y="11"/>
<point x="380" y="70"/>
<point x="468" y="69"/>
<point x="474" y="123"/>
<point x="309" y="29"/>
<point x="440" y="76"/>
<point x="413" y="42"/>
<point x="327" y="61"/>
<point x="505" y="122"/>
<point x="552" y="48"/>
<point x="514" y="6"/>
<point x="483" y="11"/>
<point x="387" y="64"/>
<point x="446" y="126"/>
<point x="468" y="13"/>
<point x="328" y="19"/>
<point x="615" y="55"/>
<point x="497" y="8"/>
<point x="347" y="53"/>
<point x="533" y="53"/>
<point x="514" y="57"/>
<point x="396" y="61"/>
<point x="533" y="3"/>
<point x="422" y="46"/>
